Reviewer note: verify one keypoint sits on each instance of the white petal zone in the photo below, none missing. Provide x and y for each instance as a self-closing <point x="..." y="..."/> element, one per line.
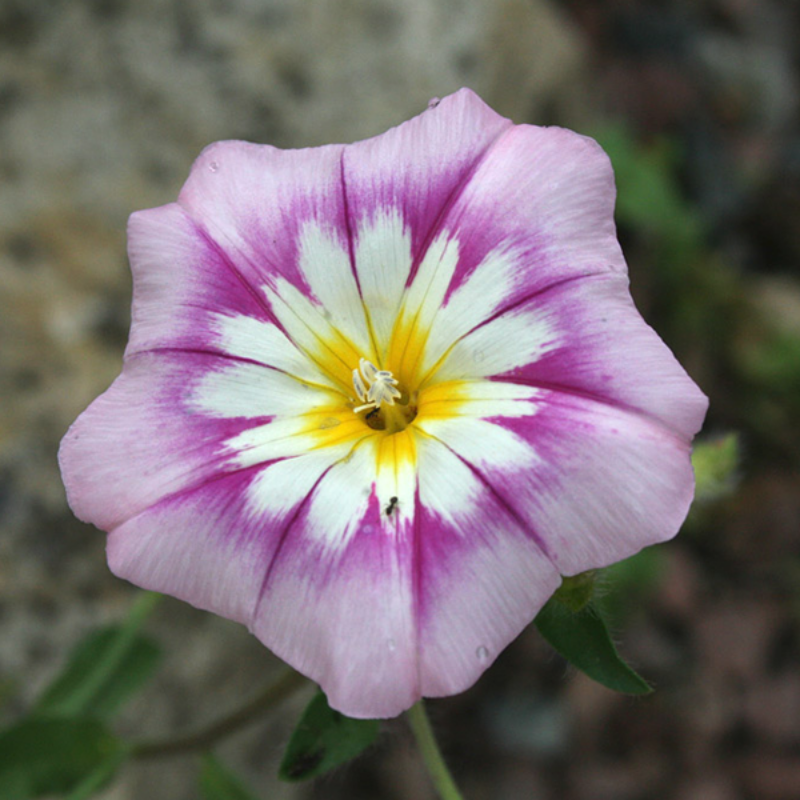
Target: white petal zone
<point x="340" y="501"/>
<point x="281" y="486"/>
<point x="474" y="301"/>
<point x="512" y="340"/>
<point x="447" y="486"/>
<point x="282" y="437"/>
<point x="250" y="390"/>
<point x="483" y="444"/>
<point x="383" y="262"/>
<point x="304" y="321"/>
<point x="479" y="398"/>
<point x="325" y="263"/>
<point x="397" y="478"/>
<point x="242" y="336"/>
<point x="426" y="294"/>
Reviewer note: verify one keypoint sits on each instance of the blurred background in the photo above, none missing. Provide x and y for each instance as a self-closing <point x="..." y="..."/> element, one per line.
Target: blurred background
<point x="104" y="104"/>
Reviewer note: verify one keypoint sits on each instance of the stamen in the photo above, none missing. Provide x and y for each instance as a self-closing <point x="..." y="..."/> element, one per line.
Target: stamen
<point x="368" y="370"/>
<point x="374" y="386"/>
<point x="358" y="385"/>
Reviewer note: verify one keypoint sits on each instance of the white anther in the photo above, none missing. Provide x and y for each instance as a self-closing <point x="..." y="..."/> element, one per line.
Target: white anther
<point x="359" y="386"/>
<point x="374" y="386"/>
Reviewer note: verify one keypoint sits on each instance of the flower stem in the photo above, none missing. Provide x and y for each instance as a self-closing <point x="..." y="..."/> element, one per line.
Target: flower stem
<point x="207" y="736"/>
<point x="431" y="755"/>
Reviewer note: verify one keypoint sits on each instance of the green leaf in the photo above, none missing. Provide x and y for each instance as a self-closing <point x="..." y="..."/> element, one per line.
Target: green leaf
<point x="53" y="756"/>
<point x="98" y="778"/>
<point x="105" y="669"/>
<point x="323" y="739"/>
<point x="715" y="462"/>
<point x="635" y="580"/>
<point x="576" y="592"/>
<point x="583" y="639"/>
<point x="217" y="782"/>
<point x="102" y="672"/>
<point x="649" y="192"/>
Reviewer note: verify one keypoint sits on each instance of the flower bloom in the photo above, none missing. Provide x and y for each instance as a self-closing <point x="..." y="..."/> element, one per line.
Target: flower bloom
<point x="379" y="397"/>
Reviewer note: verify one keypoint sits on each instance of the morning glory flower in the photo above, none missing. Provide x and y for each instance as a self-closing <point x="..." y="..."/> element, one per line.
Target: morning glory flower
<point x="378" y="398"/>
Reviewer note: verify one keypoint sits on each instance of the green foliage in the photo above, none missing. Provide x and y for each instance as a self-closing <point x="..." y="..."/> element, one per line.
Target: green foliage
<point x="767" y="362"/>
<point x="650" y="198"/>
<point x="630" y="582"/>
<point x="583" y="639"/>
<point x="217" y="782"/>
<point x="101" y="775"/>
<point x="63" y="746"/>
<point x="323" y="739"/>
<point x="715" y="462"/>
<point x="8" y="689"/>
<point x="577" y="591"/>
<point x="102" y="672"/>
<point x="53" y="756"/>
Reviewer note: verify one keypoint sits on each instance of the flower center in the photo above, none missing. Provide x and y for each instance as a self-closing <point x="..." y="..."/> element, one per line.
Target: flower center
<point x="388" y="407"/>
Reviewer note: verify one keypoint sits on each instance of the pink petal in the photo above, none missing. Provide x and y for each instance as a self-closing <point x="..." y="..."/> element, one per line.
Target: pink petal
<point x="420" y="167"/>
<point x="544" y="197"/>
<point x="604" y="349"/>
<point x="143" y="439"/>
<point x="482" y="576"/>
<point x="253" y="201"/>
<point x="202" y="545"/>
<point x="398" y="188"/>
<point x="344" y="616"/>
<point x="598" y="483"/>
<point x="420" y="609"/>
<point x="584" y="336"/>
<point x="181" y="281"/>
<point x="212" y="544"/>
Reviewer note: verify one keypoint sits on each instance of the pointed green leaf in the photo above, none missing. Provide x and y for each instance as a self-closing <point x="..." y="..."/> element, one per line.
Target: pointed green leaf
<point x="323" y="739"/>
<point x="102" y="672"/>
<point x="217" y="782"/>
<point x="52" y="756"/>
<point x="583" y="639"/>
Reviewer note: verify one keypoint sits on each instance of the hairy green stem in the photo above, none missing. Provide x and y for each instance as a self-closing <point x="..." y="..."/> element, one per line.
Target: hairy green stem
<point x="207" y="736"/>
<point x="431" y="755"/>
